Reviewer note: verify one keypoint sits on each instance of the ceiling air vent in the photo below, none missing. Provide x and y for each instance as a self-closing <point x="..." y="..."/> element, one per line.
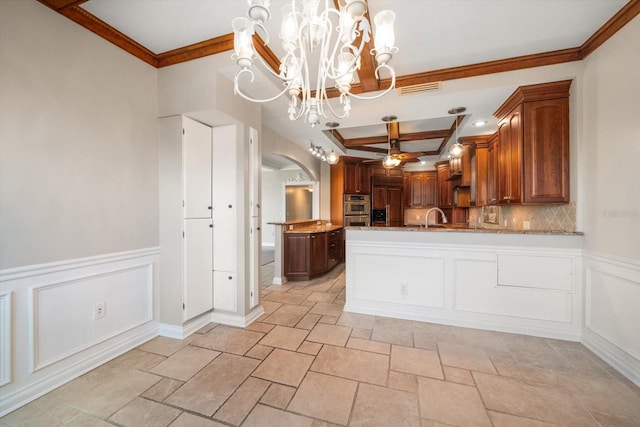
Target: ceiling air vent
<point x="422" y="87"/>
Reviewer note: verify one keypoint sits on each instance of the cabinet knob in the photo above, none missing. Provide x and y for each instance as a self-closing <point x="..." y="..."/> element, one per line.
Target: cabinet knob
<point x="313" y="237"/>
<point x="209" y="207"/>
<point x="230" y="206"/>
<point x="258" y="228"/>
<point x="230" y="277"/>
<point x="210" y="225"/>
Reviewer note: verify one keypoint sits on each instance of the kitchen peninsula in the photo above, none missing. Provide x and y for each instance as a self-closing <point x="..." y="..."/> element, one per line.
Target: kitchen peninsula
<point x="514" y="281"/>
<point x="305" y="249"/>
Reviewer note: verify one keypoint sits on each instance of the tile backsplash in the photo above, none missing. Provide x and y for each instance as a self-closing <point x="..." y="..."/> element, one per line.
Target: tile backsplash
<point x="538" y="217"/>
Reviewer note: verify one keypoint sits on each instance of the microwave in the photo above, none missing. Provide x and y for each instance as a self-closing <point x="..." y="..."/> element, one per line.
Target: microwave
<point x="356" y="220"/>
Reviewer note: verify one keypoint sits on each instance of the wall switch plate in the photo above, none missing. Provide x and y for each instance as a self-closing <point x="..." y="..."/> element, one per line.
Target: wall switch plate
<point x="99" y="310"/>
<point x="404" y="289"/>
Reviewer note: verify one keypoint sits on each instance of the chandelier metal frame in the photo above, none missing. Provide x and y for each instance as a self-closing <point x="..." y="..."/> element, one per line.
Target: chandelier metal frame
<point x="330" y="35"/>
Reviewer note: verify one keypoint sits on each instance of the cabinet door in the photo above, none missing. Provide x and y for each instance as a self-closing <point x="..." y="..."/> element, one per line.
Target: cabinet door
<point x="296" y="254"/>
<point x="492" y="170"/>
<point x="224" y="199"/>
<point x="417" y="185"/>
<point x="379" y="197"/>
<point x="429" y="189"/>
<point x="444" y="187"/>
<point x="510" y="158"/>
<point x="546" y="151"/>
<point x="364" y="178"/>
<point x="196" y="158"/>
<point x="351" y="178"/>
<point x="318" y="256"/>
<point x="198" y="274"/>
<point x="255" y="169"/>
<point x="225" y="291"/>
<point x="406" y="184"/>
<point x="395" y="213"/>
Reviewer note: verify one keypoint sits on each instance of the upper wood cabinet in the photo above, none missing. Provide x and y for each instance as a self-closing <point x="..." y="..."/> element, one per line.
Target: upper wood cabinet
<point x="533" y="154"/>
<point x="378" y="170"/>
<point x="445" y="198"/>
<point x="424" y="189"/>
<point x="478" y="162"/>
<point x="357" y="178"/>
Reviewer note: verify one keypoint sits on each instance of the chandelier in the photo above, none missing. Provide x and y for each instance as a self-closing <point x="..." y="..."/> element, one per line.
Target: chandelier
<point x="323" y="38"/>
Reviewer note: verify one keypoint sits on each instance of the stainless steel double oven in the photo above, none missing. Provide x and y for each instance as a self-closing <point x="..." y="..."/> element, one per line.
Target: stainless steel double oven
<point x="357" y="210"/>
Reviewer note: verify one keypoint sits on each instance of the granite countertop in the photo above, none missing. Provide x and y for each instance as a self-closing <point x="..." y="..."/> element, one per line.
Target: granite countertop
<point x="453" y="229"/>
<point x="316" y="229"/>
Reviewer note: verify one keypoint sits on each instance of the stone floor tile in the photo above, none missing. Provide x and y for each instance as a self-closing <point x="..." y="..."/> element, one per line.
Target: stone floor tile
<point x="134" y="359"/>
<point x="265" y="416"/>
<point x="42" y="412"/>
<point x="458" y="375"/>
<point x="242" y="401"/>
<point x="505" y="420"/>
<point x="321" y="297"/>
<point x="603" y="395"/>
<point x="584" y="364"/>
<point x="480" y="338"/>
<point x="278" y="395"/>
<point x="165" y="346"/>
<point x="383" y="407"/>
<point x="326" y="397"/>
<point x="284" y="367"/>
<point x="185" y="363"/>
<point x="212" y="386"/>
<point x="541" y="402"/>
<point x="364" y="334"/>
<point x="270" y="306"/>
<point x="608" y="420"/>
<point x="312" y="348"/>
<point x="402" y="381"/>
<point x="228" y="340"/>
<point x="206" y="328"/>
<point x="284" y="337"/>
<point x="523" y="343"/>
<point x="331" y="320"/>
<point x="566" y="345"/>
<point x="259" y="327"/>
<point x="285" y="298"/>
<point x="145" y="413"/>
<point x="307" y="303"/>
<point x="544" y="376"/>
<point x="393" y="331"/>
<point x="287" y="315"/>
<point x="327" y="309"/>
<point x="372" y="346"/>
<point x="308" y="321"/>
<point x="278" y="288"/>
<point x="330" y="334"/>
<point x="424" y="340"/>
<point x="188" y="420"/>
<point x="355" y="320"/>
<point x="545" y="359"/>
<point x="431" y="423"/>
<point x="83" y="420"/>
<point x="353" y="364"/>
<point x="259" y="351"/>
<point x="451" y="403"/>
<point x="162" y="389"/>
<point x="110" y="394"/>
<point x="425" y="363"/>
<point x="465" y="356"/>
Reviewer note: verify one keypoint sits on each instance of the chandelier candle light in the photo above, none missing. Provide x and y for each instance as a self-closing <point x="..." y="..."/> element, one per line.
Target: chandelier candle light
<point x="325" y="38"/>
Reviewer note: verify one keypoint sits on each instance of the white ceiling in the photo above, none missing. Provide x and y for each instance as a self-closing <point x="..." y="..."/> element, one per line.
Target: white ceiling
<point x="430" y="35"/>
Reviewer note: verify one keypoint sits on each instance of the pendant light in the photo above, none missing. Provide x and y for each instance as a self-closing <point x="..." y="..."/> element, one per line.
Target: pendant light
<point x="333" y="157"/>
<point x="389" y="161"/>
<point x="456" y="149"/>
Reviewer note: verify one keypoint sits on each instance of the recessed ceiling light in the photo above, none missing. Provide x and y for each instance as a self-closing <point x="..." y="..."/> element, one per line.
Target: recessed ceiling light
<point x="480" y="123"/>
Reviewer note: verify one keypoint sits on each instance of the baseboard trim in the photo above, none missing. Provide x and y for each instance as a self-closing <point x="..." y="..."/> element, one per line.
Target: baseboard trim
<point x="623" y="362"/>
<point x="237" y="320"/>
<point x="101" y="354"/>
<point x="181" y="332"/>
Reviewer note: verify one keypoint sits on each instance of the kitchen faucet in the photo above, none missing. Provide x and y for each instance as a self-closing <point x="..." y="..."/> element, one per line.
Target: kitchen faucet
<point x="426" y="216"/>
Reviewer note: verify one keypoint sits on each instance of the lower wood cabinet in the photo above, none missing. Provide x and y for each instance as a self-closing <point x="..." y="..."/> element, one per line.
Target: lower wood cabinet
<point x="308" y="255"/>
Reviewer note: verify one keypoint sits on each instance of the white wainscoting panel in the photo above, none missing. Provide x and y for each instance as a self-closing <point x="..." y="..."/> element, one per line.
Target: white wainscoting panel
<point x="612" y="317"/>
<point x="63" y="313"/>
<point x="406" y="276"/>
<point x="535" y="271"/>
<point x="5" y="338"/>
<point x="54" y="336"/>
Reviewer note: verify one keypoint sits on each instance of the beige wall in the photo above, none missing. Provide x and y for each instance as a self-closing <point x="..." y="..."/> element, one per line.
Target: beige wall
<point x="611" y="146"/>
<point x="78" y="141"/>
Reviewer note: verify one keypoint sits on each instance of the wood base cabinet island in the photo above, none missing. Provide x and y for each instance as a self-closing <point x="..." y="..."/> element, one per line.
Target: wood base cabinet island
<point x="311" y="253"/>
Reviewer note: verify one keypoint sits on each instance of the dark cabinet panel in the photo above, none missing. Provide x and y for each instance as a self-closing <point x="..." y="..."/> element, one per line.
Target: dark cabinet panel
<point x="308" y="255"/>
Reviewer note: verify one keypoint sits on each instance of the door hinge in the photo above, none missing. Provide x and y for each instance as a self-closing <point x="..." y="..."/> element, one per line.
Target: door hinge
<point x="183" y="306"/>
<point x="183" y="234"/>
<point x="252" y="293"/>
<point x="183" y="203"/>
<point x="183" y="131"/>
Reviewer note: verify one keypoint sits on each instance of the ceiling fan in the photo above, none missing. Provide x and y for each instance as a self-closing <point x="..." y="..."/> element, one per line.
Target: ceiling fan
<point x="393" y="140"/>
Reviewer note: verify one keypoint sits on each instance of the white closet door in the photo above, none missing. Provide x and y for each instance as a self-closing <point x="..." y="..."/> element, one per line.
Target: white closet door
<point x="254" y="260"/>
<point x="196" y="155"/>
<point x="224" y="198"/>
<point x="225" y="291"/>
<point x="198" y="268"/>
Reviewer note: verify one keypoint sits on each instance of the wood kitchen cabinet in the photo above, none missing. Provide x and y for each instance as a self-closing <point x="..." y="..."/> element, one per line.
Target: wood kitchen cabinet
<point x="533" y="154"/>
<point x="445" y="198"/>
<point x="378" y="170"/>
<point x="348" y="176"/>
<point x="424" y="189"/>
<point x="406" y="188"/>
<point x="447" y="193"/>
<point x="389" y="198"/>
<point x="478" y="162"/>
<point x="308" y="255"/>
<point x="492" y="169"/>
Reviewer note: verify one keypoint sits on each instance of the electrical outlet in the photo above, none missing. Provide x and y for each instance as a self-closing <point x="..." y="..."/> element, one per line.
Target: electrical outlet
<point x="99" y="310"/>
<point x="417" y="216"/>
<point x="526" y="225"/>
<point x="404" y="290"/>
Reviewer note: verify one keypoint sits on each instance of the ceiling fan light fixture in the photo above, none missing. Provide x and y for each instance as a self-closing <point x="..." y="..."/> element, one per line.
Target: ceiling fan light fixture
<point x="456" y="149"/>
<point x="332" y="157"/>
<point x="390" y="162"/>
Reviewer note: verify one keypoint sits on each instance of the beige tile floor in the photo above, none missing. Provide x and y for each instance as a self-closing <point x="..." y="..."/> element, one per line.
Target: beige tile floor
<point x="306" y="363"/>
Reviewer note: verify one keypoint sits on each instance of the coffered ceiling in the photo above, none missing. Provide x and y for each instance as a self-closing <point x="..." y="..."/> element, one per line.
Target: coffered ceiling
<point x="439" y="41"/>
